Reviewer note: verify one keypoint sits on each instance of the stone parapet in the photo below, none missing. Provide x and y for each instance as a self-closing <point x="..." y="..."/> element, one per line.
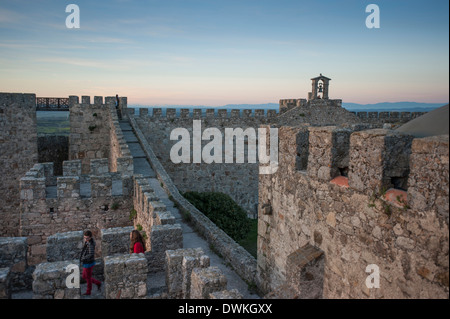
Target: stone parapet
<point x="13" y="255"/>
<point x="379" y="159"/>
<point x="5" y="283"/>
<point x="205" y="281"/>
<point x="115" y="240"/>
<point x="179" y="266"/>
<point x="125" y="276"/>
<point x="49" y="281"/>
<point x="64" y="246"/>
<point x="163" y="238"/>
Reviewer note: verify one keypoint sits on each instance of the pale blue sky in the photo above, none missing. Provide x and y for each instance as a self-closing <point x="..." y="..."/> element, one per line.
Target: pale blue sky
<point x="220" y="52"/>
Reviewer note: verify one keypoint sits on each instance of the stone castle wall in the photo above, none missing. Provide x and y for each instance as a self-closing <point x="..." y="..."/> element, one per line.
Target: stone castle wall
<point x="89" y="130"/>
<point x="388" y="117"/>
<point x="324" y="220"/>
<point x="77" y="202"/>
<point x="18" y="153"/>
<point x="95" y="133"/>
<point x="238" y="180"/>
<point x="92" y="193"/>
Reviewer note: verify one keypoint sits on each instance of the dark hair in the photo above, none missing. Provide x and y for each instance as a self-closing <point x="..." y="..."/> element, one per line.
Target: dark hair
<point x="88" y="233"/>
<point x="136" y="237"/>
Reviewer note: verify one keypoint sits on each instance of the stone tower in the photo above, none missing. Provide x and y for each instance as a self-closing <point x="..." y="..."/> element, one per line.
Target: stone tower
<point x="320" y="87"/>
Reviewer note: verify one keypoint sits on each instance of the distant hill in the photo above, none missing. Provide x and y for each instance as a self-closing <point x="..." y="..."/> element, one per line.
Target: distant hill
<point x="395" y="107"/>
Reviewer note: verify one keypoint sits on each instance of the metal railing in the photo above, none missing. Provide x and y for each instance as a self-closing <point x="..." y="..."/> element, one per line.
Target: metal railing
<point x="52" y="104"/>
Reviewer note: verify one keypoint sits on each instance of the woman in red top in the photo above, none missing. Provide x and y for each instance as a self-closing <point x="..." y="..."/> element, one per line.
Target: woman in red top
<point x="137" y="244"/>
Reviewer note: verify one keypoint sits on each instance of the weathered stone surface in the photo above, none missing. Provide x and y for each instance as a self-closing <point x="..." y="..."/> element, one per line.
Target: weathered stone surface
<point x="205" y="281"/>
<point x="13" y="255"/>
<point x="358" y="226"/>
<point x="49" y="281"/>
<point x="125" y="276"/>
<point x="116" y="240"/>
<point x="5" y="283"/>
<point x="179" y="266"/>
<point x="226" y="294"/>
<point x="18" y="153"/>
<point x="305" y="272"/>
<point x="64" y="246"/>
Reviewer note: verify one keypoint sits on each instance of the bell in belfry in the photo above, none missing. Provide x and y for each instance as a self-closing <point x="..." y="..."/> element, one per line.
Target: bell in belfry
<point x="320" y="88"/>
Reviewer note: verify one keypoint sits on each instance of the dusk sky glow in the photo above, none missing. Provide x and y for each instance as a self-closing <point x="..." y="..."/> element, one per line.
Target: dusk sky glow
<point x="198" y="52"/>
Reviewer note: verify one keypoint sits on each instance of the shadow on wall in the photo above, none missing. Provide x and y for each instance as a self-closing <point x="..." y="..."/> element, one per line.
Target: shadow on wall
<point x="54" y="149"/>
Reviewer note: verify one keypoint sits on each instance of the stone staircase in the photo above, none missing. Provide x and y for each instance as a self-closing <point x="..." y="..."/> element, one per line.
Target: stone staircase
<point x="190" y="238"/>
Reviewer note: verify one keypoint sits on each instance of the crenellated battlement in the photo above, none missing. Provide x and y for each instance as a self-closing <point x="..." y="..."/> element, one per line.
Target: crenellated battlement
<point x="366" y="161"/>
<point x="172" y="113"/>
<point x="40" y="183"/>
<point x="388" y="117"/>
<point x="360" y="197"/>
<point x="95" y="133"/>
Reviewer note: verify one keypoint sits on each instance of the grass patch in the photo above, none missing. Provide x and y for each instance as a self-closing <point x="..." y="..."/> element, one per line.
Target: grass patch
<point x="249" y="243"/>
<point x="222" y="211"/>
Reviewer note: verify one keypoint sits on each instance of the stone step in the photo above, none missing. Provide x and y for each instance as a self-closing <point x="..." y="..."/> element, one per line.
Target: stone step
<point x="141" y="166"/>
<point x="155" y="184"/>
<point x="125" y="127"/>
<point x="130" y="137"/>
<point x="136" y="149"/>
<point x="156" y="285"/>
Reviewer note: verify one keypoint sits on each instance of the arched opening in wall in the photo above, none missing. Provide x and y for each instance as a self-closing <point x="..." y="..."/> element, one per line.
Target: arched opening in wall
<point x="397" y="169"/>
<point x="320" y="86"/>
<point x="341" y="156"/>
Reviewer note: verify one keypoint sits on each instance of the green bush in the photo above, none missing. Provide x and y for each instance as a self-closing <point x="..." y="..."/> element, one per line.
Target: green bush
<point x="222" y="211"/>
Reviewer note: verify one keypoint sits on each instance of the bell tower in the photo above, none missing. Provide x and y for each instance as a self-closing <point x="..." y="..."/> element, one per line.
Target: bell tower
<point x="320" y="87"/>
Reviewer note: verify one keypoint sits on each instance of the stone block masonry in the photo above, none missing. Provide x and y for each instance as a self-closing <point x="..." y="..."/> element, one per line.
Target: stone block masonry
<point x="116" y="240"/>
<point x="163" y="238"/>
<point x="64" y="246"/>
<point x="95" y="134"/>
<point x="13" y="255"/>
<point x="179" y="266"/>
<point x="120" y="159"/>
<point x="388" y="117"/>
<point x="305" y="272"/>
<point x="18" y="153"/>
<point x="205" y="281"/>
<point x="430" y="173"/>
<point x="5" y="283"/>
<point x="126" y="276"/>
<point x="49" y="281"/>
<point x="81" y="202"/>
<point x="379" y="159"/>
<point x="226" y="294"/>
<point x="150" y="211"/>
